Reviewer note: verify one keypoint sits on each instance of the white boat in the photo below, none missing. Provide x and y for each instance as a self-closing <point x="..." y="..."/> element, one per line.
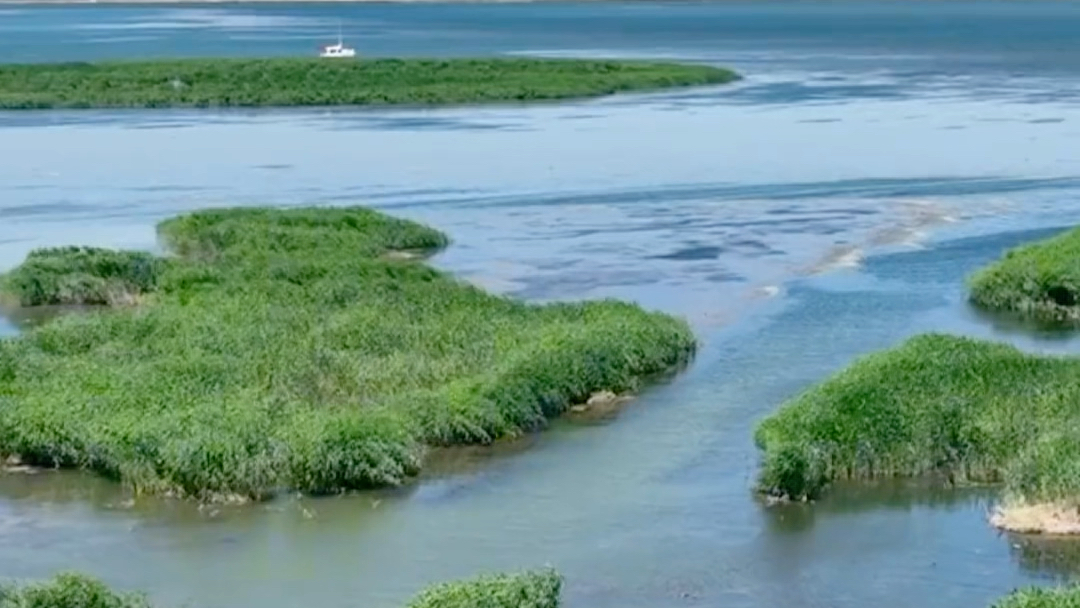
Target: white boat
<point x="339" y="49"/>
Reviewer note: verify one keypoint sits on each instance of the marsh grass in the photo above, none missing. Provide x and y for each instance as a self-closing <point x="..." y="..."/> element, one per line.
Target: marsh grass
<point x="1035" y="597"/>
<point x="318" y="82"/>
<point x="280" y="349"/>
<point x="969" y="409"/>
<point x="529" y="589"/>
<point x="1040" y="281"/>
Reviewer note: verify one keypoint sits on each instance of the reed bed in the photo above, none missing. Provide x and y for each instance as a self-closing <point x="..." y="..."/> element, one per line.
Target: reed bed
<point x="318" y="82"/>
<point x="1040" y="281"/>
<point x="967" y="409"/>
<point x="283" y="349"/>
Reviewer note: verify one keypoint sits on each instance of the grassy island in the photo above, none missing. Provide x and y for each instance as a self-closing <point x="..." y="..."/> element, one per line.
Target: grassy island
<point x="322" y="82"/>
<point x="1040" y="281"/>
<point x="529" y="589"/>
<point x="294" y="349"/>
<point x="968" y="409"/>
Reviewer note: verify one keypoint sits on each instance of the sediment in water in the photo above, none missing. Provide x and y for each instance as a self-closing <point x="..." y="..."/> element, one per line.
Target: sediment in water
<point x="281" y="349"/>
<point x="1059" y="518"/>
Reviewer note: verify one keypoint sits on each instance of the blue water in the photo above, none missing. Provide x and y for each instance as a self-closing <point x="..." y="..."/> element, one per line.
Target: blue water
<point x="827" y="206"/>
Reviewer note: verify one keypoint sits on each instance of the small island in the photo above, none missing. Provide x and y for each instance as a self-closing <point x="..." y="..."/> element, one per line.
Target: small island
<point x="1038" y="282"/>
<point x="305" y="349"/>
<point x="964" y="409"/>
<point x="282" y="82"/>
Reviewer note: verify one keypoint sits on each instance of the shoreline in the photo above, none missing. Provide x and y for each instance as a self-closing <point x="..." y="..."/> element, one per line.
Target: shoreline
<point x="49" y="3"/>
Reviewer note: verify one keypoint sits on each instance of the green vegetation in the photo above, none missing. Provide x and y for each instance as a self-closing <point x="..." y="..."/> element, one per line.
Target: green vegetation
<point x="284" y="349"/>
<point x="1040" y="281"/>
<point x="81" y="275"/>
<point x="536" y="589"/>
<point x="321" y="82"/>
<point x="969" y="409"/>
<point x="68" y="591"/>
<point x="1034" y="597"/>
<point x="530" y="589"/>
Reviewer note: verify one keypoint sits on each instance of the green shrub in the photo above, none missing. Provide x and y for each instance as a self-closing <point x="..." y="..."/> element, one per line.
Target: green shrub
<point x="82" y="275"/>
<point x="307" y="82"/>
<point x="282" y="349"/>
<point x="68" y="591"/>
<point x="536" y="589"/>
<point x="1040" y="281"/>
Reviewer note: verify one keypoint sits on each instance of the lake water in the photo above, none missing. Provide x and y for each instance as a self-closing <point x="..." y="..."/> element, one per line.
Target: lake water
<point x="827" y="206"/>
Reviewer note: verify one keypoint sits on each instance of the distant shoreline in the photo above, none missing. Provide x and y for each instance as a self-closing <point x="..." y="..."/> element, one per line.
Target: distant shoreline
<point x="46" y="3"/>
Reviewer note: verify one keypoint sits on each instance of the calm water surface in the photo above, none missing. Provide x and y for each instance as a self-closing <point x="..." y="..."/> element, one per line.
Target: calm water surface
<point x="828" y="206"/>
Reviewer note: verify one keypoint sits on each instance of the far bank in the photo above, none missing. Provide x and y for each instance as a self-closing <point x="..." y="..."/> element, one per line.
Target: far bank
<point x="288" y="82"/>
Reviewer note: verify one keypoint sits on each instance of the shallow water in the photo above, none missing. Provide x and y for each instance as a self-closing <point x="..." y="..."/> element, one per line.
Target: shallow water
<point x="828" y="206"/>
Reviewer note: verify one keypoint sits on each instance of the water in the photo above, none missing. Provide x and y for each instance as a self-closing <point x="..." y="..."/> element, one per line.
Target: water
<point x="828" y="206"/>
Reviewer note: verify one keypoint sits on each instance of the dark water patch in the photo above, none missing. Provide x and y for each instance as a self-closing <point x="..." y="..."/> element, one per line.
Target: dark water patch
<point x="55" y="210"/>
<point x="853" y="188"/>
<point x="274" y="166"/>
<point x="1045" y="121"/>
<point x="693" y="252"/>
<point x="847" y="498"/>
<point x="818" y="120"/>
<point x="723" y="276"/>
<point x="1053" y="559"/>
<point x="954" y="128"/>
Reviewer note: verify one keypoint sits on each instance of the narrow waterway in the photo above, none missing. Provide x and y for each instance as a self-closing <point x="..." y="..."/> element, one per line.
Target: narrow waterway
<point x="827" y="206"/>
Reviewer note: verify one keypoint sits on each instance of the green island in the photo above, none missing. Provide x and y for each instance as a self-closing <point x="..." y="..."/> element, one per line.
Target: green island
<point x="967" y="409"/>
<point x="322" y="82"/>
<point x="305" y="349"/>
<point x="1040" y="281"/>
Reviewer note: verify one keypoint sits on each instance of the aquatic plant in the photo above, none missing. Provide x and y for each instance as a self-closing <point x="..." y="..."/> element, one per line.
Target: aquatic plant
<point x="965" y="408"/>
<point x="318" y="82"/>
<point x="68" y="590"/>
<point x="1040" y="281"/>
<point x="285" y="349"/>
<point x="1037" y="597"/>
<point x="530" y="589"/>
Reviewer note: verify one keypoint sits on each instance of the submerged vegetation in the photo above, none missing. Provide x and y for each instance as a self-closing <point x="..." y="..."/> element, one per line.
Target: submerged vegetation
<point x="530" y="589"/>
<point x="1040" y="281"/>
<point x="284" y="349"/>
<point x="968" y="409"/>
<point x="318" y="82"/>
